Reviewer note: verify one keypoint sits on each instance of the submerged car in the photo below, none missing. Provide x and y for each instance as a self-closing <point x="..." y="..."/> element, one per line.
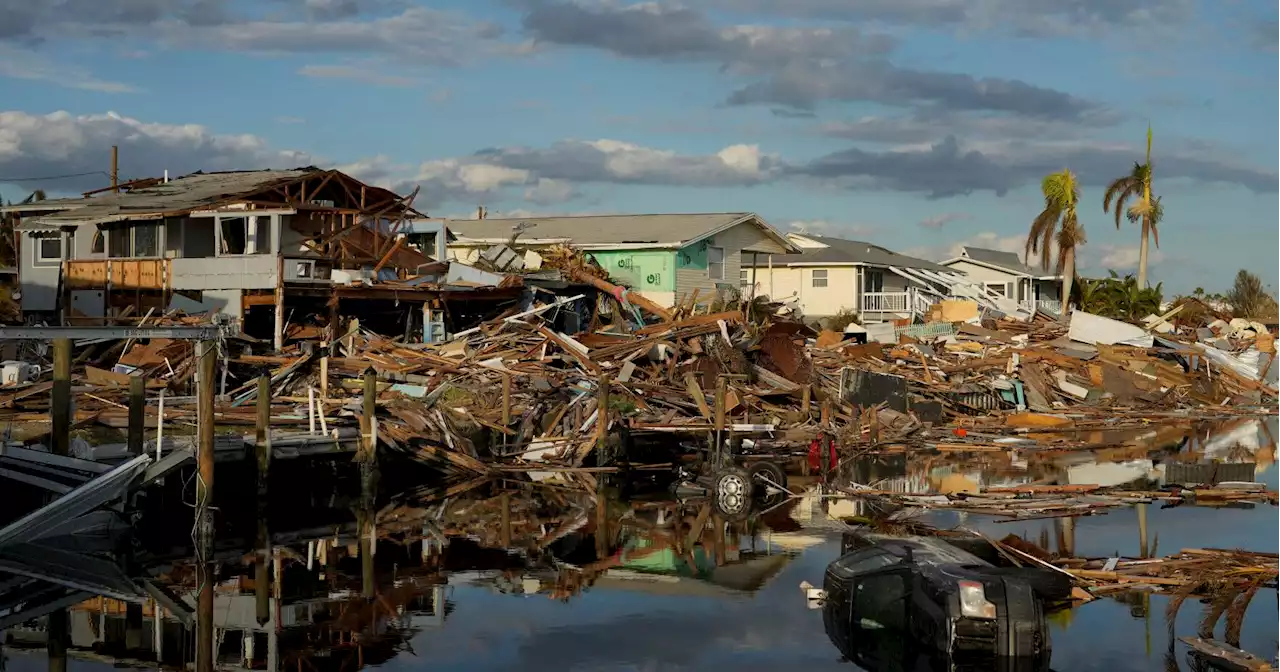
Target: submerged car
<point x="892" y="601"/>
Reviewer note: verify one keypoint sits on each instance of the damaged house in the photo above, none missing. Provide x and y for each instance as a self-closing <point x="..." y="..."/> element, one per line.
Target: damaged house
<point x="662" y="257"/>
<point x="277" y="250"/>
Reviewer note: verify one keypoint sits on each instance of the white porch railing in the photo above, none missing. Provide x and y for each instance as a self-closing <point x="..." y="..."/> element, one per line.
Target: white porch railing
<point x="1042" y="304"/>
<point x="885" y="302"/>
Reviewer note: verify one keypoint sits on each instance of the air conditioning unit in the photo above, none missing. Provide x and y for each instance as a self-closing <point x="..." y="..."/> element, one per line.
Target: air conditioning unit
<point x="321" y="203"/>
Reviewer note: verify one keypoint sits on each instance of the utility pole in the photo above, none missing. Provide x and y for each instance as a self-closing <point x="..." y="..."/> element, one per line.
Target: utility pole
<point x="115" y="169"/>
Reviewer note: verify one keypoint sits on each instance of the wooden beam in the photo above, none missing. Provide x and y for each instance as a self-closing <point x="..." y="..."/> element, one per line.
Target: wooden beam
<point x="387" y="257"/>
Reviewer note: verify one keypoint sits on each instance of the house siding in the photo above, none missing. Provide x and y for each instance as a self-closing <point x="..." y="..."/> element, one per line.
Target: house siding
<point x="783" y="282"/>
<point x="38" y="281"/>
<point x="651" y="273"/>
<point x="982" y="274"/>
<point x="691" y="260"/>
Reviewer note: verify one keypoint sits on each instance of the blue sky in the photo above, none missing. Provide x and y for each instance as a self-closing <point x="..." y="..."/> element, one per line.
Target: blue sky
<point x="918" y="124"/>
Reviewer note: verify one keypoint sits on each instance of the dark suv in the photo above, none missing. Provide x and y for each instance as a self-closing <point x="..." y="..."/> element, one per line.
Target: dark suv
<point x="891" y="599"/>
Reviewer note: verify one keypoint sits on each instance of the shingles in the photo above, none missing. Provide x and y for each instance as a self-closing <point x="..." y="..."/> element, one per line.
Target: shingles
<point x="190" y="192"/>
<point x="1008" y="260"/>
<point x="840" y="251"/>
<point x="667" y="230"/>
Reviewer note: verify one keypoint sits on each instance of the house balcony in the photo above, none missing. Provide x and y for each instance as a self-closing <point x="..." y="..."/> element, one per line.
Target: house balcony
<point x="885" y="302"/>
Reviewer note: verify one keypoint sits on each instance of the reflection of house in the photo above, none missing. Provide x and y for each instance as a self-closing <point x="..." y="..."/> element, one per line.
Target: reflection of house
<point x="664" y="257"/>
<point x="1006" y="275"/>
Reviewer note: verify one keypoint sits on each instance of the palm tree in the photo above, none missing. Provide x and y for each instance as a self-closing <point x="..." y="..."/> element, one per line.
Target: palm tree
<point x="1058" y="223"/>
<point x="1137" y="184"/>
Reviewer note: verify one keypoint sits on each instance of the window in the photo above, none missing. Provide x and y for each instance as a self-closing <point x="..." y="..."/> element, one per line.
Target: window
<point x="715" y="263"/>
<point x="873" y="281"/>
<point x="146" y="239"/>
<point x="49" y="249"/>
<point x="235" y="235"/>
<point x="119" y="243"/>
<point x="998" y="287"/>
<point x="880" y="602"/>
<point x="260" y="234"/>
<point x="99" y="243"/>
<point x="744" y="277"/>
<point x="819" y="277"/>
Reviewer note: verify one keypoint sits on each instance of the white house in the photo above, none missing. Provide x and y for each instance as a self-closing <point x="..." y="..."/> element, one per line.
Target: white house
<point x="829" y="275"/>
<point x="1004" y="273"/>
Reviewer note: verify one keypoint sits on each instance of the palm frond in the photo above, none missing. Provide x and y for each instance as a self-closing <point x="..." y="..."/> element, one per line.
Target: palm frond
<point x="1236" y="612"/>
<point x="1221" y="602"/>
<point x="1175" y="603"/>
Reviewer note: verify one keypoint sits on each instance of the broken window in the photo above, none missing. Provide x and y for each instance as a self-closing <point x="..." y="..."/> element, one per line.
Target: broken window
<point x="49" y="249"/>
<point x="715" y="263"/>
<point x="235" y="235"/>
<point x="998" y="287"/>
<point x="819" y="277"/>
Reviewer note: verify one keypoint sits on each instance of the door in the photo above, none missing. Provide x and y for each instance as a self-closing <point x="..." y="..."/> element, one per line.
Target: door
<point x="881" y="618"/>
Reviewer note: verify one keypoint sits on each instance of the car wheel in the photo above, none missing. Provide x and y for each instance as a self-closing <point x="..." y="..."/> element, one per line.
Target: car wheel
<point x="732" y="493"/>
<point x="770" y="471"/>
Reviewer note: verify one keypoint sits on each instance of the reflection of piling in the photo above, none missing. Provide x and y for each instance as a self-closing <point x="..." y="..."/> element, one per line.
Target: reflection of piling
<point x="261" y="580"/>
<point x="137" y="419"/>
<point x="506" y="520"/>
<point x="207" y="352"/>
<point x="59" y="630"/>
<point x="59" y="639"/>
<point x="1142" y="530"/>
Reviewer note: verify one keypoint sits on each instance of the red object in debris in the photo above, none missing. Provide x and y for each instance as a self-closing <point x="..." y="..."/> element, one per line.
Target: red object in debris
<point x="815" y="455"/>
<point x="961" y="432"/>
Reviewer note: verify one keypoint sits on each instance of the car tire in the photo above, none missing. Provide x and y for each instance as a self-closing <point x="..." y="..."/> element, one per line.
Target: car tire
<point x="769" y="470"/>
<point x="1046" y="583"/>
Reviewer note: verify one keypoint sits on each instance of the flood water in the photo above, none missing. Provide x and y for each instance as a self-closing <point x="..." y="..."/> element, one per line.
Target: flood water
<point x="649" y="600"/>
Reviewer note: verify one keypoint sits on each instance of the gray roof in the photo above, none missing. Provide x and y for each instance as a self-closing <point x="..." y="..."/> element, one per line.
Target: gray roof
<point x="674" y="231"/>
<point x="190" y="192"/>
<point x="841" y="251"/>
<point x="1006" y="260"/>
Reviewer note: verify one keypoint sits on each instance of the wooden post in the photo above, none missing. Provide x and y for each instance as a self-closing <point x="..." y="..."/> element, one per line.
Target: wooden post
<point x="368" y="439"/>
<point x="602" y="412"/>
<point x="506" y="400"/>
<point x="824" y="445"/>
<point x="60" y="412"/>
<point x="262" y="444"/>
<point x="324" y="374"/>
<point x="719" y="420"/>
<point x="137" y="413"/>
<point x="115" y="168"/>
<point x="205" y="575"/>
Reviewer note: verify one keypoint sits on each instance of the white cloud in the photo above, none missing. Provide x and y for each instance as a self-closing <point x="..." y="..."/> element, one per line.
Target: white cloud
<point x="831" y="229"/>
<point x="547" y="191"/>
<point x="20" y="63"/>
<point x="1120" y="258"/>
<point x="62" y="144"/>
<point x="368" y="76"/>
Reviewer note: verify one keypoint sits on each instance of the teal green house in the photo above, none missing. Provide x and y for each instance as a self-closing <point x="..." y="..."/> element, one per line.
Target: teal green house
<point x="664" y="257"/>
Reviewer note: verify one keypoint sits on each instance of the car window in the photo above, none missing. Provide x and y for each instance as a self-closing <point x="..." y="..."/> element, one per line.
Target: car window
<point x="879" y="602"/>
<point x="868" y="560"/>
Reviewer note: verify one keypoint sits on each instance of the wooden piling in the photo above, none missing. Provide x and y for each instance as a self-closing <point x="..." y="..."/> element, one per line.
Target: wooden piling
<point x="205" y="575"/>
<point x="60" y="412"/>
<point x="137" y="413"/>
<point x="59" y="626"/>
<point x="1143" y="550"/>
<point x="368" y="443"/>
<point x="262" y="438"/>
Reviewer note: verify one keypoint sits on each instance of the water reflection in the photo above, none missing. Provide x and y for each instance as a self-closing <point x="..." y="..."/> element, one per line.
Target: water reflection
<point x="503" y="575"/>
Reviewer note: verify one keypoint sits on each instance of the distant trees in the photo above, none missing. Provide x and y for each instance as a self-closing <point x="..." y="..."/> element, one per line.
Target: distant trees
<point x="1248" y="297"/>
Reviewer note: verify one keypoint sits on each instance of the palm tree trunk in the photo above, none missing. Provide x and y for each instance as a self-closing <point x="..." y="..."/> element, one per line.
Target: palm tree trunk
<point x="1068" y="276"/>
<point x="1142" y="252"/>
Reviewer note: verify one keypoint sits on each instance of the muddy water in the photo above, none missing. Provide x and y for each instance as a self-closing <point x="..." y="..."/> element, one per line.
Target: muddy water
<point x="654" y="609"/>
